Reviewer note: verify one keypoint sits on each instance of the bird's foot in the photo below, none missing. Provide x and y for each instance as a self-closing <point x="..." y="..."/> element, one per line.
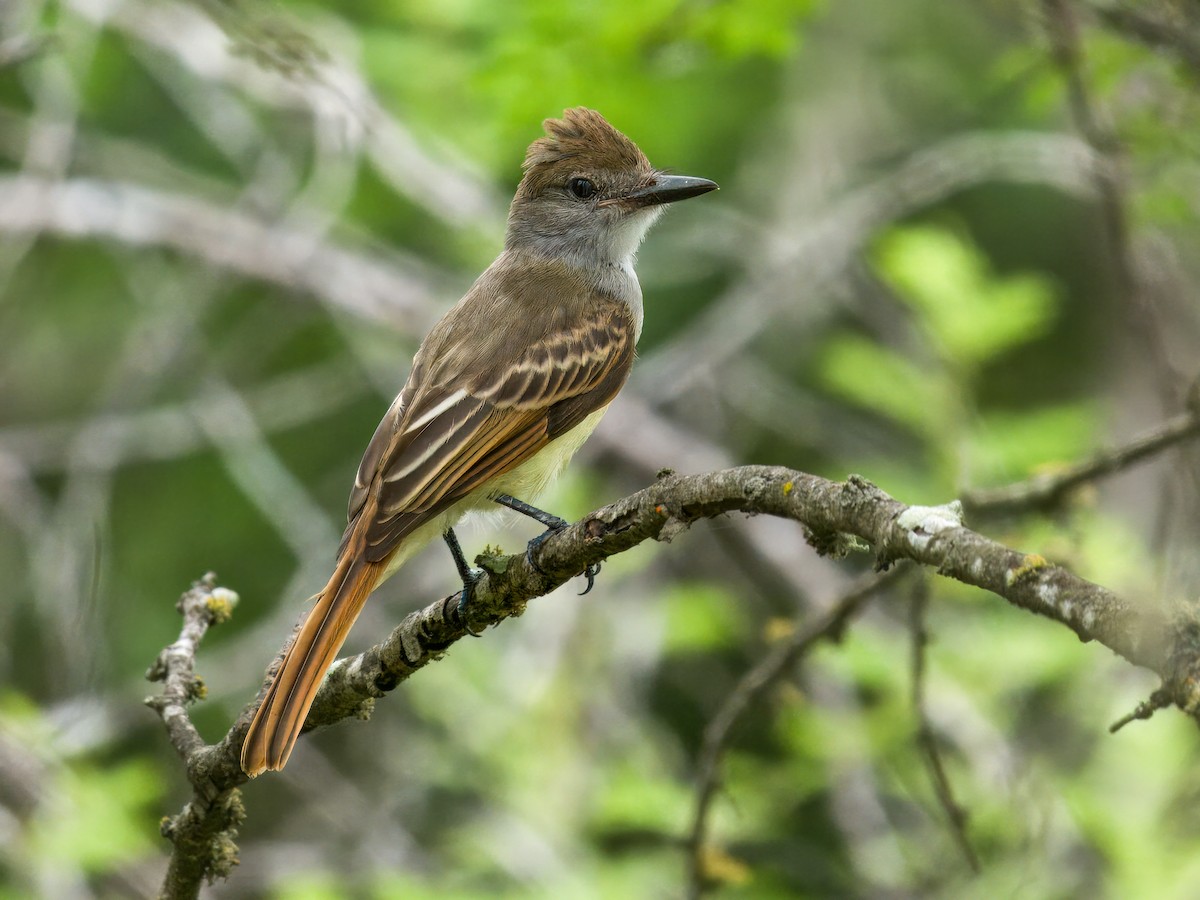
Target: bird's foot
<point x="590" y="573"/>
<point x="470" y="577"/>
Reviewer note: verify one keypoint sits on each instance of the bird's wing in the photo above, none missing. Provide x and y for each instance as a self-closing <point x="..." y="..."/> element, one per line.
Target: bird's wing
<point x="447" y="440"/>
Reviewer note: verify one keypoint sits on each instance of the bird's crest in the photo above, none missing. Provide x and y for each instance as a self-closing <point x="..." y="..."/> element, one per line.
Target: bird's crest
<point x="584" y="137"/>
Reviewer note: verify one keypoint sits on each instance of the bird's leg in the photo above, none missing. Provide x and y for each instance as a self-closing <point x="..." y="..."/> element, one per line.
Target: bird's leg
<point x="468" y="575"/>
<point x="553" y="525"/>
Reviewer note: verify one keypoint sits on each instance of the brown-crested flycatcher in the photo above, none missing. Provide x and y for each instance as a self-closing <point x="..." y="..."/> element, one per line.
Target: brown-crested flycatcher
<point x="503" y="390"/>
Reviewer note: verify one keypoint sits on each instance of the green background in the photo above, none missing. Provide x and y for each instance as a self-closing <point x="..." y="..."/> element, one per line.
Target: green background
<point x="249" y="214"/>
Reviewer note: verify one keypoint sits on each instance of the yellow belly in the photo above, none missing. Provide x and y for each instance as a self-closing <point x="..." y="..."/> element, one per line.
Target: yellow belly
<point x="527" y="482"/>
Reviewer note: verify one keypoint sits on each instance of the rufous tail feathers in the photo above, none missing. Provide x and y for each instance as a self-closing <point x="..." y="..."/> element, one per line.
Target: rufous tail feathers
<point x="281" y="715"/>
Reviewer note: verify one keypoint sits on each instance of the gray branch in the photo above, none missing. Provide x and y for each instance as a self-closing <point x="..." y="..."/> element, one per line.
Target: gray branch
<point x="394" y="288"/>
<point x="1045" y="490"/>
<point x="203" y="833"/>
<point x="1152" y="31"/>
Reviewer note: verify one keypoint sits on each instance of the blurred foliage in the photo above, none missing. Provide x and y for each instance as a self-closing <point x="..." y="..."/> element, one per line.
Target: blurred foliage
<point x="965" y="319"/>
<point x="906" y="274"/>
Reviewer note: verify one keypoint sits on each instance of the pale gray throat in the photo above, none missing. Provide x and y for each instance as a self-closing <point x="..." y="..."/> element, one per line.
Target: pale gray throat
<point x="605" y="257"/>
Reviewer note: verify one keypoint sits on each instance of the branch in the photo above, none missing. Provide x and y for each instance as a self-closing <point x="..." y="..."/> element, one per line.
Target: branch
<point x="203" y="832"/>
<point x="1144" y="634"/>
<point x="753" y="685"/>
<point x="1046" y="490"/>
<point x="172" y="430"/>
<point x="927" y="742"/>
<point x="398" y="289"/>
<point x="1110" y="178"/>
<point x="335" y="93"/>
<point x="1154" y="32"/>
<point x="21" y="49"/>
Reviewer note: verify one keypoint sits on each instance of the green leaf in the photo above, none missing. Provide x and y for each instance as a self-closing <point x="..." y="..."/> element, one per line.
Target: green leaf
<point x="101" y="817"/>
<point x="748" y="27"/>
<point x="702" y="616"/>
<point x="971" y="314"/>
<point x="1008" y="445"/>
<point x="635" y="796"/>
<point x="883" y="381"/>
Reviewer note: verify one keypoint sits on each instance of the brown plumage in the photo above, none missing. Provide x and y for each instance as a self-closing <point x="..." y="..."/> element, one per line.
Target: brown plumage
<point x="502" y="391"/>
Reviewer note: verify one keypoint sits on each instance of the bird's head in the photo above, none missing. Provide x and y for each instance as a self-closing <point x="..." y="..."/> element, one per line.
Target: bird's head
<point x="589" y="193"/>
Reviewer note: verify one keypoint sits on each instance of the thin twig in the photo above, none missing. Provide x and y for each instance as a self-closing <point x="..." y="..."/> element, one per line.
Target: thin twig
<point x="18" y="50"/>
<point x="394" y="288"/>
<point x="754" y="684"/>
<point x="203" y="832"/>
<point x="1062" y="25"/>
<point x="956" y="815"/>
<point x="200" y="608"/>
<point x="1159" y="699"/>
<point x="1152" y="31"/>
<point x="1048" y="489"/>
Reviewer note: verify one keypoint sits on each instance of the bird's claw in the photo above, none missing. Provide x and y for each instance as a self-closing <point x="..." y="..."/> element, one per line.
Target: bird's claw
<point x="470" y="579"/>
<point x="534" y="544"/>
<point x="590" y="572"/>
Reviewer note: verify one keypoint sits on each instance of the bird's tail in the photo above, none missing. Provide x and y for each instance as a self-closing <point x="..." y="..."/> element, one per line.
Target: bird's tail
<point x="281" y="715"/>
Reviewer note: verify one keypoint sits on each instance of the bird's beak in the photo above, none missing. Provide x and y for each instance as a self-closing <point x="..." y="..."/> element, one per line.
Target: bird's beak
<point x="667" y="189"/>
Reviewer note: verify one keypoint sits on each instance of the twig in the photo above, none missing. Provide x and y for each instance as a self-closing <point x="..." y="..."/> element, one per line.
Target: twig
<point x="21" y="49"/>
<point x="398" y="289"/>
<point x="1151" y="31"/>
<point x="1160" y="699"/>
<point x="203" y="832"/>
<point x="777" y="663"/>
<point x="1048" y="489"/>
<point x="1062" y="26"/>
<point x="173" y="430"/>
<point x="926" y="739"/>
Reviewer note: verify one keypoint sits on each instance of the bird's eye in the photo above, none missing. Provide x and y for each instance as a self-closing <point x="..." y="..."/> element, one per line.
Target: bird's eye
<point x="581" y="188"/>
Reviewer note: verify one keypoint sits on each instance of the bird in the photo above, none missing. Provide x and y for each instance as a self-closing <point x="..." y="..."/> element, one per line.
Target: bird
<point x="502" y="392"/>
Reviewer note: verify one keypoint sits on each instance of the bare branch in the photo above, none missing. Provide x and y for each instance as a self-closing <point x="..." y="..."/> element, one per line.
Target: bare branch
<point x="23" y="48"/>
<point x="173" y="430"/>
<point x="753" y="685"/>
<point x="203" y="832"/>
<point x="1048" y="489"/>
<point x="1146" y="635"/>
<point x="1110" y="179"/>
<point x="926" y="738"/>
<point x="1152" y="31"/>
<point x="442" y="183"/>
<point x="202" y="606"/>
<point x="394" y="289"/>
